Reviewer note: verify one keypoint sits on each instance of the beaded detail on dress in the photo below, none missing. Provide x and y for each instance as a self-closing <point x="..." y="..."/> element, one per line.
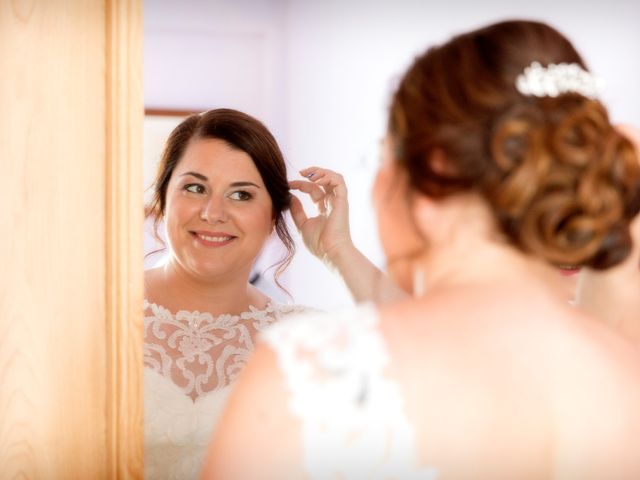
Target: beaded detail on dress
<point x="354" y="426"/>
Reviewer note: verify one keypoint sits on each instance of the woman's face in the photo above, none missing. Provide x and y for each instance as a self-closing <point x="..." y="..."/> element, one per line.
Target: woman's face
<point x="399" y="237"/>
<point x="218" y="211"/>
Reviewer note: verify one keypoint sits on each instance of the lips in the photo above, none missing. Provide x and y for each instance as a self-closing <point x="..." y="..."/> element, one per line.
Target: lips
<point x="213" y="239"/>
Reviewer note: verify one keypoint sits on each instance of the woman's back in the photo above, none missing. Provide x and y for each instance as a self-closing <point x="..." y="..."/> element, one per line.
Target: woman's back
<point x="477" y="380"/>
<point x="504" y="380"/>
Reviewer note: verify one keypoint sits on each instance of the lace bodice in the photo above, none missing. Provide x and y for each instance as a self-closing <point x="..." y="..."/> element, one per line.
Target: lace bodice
<point x="199" y="352"/>
<point x="353" y="420"/>
<point x="191" y="360"/>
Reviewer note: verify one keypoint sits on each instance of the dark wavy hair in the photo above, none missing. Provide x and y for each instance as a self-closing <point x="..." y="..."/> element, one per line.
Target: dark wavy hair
<point x="562" y="183"/>
<point x="245" y="133"/>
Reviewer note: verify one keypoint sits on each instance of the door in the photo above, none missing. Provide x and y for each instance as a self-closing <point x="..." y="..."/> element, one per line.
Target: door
<point x="70" y="247"/>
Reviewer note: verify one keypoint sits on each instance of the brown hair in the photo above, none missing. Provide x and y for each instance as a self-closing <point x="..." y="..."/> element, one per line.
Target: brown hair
<point x="563" y="184"/>
<point x="245" y="133"/>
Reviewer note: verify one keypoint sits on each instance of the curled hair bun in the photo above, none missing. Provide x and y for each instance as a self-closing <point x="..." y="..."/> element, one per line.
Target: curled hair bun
<point x="565" y="184"/>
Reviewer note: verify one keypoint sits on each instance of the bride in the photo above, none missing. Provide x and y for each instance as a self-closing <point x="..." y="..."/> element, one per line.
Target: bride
<point x="221" y="190"/>
<point x="499" y="166"/>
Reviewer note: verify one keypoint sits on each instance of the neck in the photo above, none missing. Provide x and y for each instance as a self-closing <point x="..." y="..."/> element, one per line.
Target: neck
<point x="231" y="293"/>
<point x="466" y="247"/>
<point x="460" y="262"/>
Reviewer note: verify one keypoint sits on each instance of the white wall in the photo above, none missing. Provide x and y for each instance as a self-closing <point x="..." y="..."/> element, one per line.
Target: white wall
<point x="203" y="54"/>
<point x="200" y="55"/>
<point x="334" y="67"/>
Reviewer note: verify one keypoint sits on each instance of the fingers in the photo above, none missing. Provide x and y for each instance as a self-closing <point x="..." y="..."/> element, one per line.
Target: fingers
<point x="303" y="186"/>
<point x="317" y="194"/>
<point x="314" y="191"/>
<point x="331" y="181"/>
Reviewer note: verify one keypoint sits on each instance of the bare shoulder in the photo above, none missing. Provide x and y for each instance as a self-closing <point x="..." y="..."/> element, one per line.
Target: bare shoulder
<point x="257" y="425"/>
<point x="538" y="334"/>
<point x="595" y="401"/>
<point x="584" y="352"/>
<point x="152" y="283"/>
<point x="536" y="324"/>
<point x="258" y="298"/>
<point x="153" y="272"/>
<point x="539" y="373"/>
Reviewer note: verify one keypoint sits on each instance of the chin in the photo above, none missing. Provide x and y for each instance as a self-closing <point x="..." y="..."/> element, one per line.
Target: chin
<point x="212" y="270"/>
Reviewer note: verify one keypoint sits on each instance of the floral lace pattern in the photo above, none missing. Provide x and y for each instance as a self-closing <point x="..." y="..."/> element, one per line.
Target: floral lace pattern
<point x="353" y="420"/>
<point x="201" y="353"/>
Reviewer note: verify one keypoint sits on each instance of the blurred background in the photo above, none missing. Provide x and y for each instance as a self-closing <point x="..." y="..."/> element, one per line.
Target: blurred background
<point x="320" y="74"/>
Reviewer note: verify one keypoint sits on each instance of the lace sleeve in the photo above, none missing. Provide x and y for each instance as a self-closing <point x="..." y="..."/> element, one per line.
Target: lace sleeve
<point x="353" y="420"/>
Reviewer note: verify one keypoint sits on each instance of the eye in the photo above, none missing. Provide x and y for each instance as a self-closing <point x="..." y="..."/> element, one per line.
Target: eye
<point x="194" y="188"/>
<point x="241" y="195"/>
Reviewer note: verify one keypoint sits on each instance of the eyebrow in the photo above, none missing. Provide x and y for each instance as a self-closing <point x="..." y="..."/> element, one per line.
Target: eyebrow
<point x="197" y="175"/>
<point x="244" y="184"/>
<point x="234" y="184"/>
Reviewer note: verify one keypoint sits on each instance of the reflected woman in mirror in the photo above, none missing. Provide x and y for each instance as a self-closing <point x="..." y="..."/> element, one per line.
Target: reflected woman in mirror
<point x="500" y="165"/>
<point x="221" y="191"/>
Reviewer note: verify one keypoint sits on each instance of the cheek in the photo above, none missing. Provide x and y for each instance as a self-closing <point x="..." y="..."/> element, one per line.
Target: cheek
<point x="381" y="195"/>
<point x="396" y="230"/>
<point x="259" y="220"/>
<point x="172" y="213"/>
<point x="178" y="211"/>
<point x="398" y="236"/>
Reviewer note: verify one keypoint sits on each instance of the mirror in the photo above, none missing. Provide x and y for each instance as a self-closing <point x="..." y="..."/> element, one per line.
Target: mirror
<point x="320" y="74"/>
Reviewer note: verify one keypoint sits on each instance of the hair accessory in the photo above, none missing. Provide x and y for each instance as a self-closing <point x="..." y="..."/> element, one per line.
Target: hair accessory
<point x="557" y="79"/>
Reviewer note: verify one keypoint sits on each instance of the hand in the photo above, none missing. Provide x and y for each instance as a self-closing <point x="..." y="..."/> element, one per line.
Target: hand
<point x="327" y="232"/>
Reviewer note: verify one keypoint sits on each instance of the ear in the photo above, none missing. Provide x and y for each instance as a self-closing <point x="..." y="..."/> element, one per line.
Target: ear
<point x="428" y="211"/>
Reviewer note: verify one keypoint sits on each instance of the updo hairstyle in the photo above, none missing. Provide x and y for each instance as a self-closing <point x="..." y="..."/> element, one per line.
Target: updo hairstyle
<point x="562" y="183"/>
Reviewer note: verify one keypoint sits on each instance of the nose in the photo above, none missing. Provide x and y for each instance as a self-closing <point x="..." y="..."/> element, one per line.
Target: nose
<point x="214" y="210"/>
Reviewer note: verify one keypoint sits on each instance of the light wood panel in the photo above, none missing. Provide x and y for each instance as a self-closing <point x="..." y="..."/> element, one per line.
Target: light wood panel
<point x="69" y="290"/>
<point x="124" y="212"/>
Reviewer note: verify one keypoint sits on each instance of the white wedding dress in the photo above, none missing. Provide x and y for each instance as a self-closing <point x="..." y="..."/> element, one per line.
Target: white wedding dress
<point x="191" y="360"/>
<point x="354" y="426"/>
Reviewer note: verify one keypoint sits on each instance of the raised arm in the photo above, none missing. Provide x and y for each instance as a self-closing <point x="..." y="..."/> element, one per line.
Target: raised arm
<point x="327" y="236"/>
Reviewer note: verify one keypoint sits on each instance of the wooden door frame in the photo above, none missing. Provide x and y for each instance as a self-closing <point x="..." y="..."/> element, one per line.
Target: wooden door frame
<point x="124" y="219"/>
